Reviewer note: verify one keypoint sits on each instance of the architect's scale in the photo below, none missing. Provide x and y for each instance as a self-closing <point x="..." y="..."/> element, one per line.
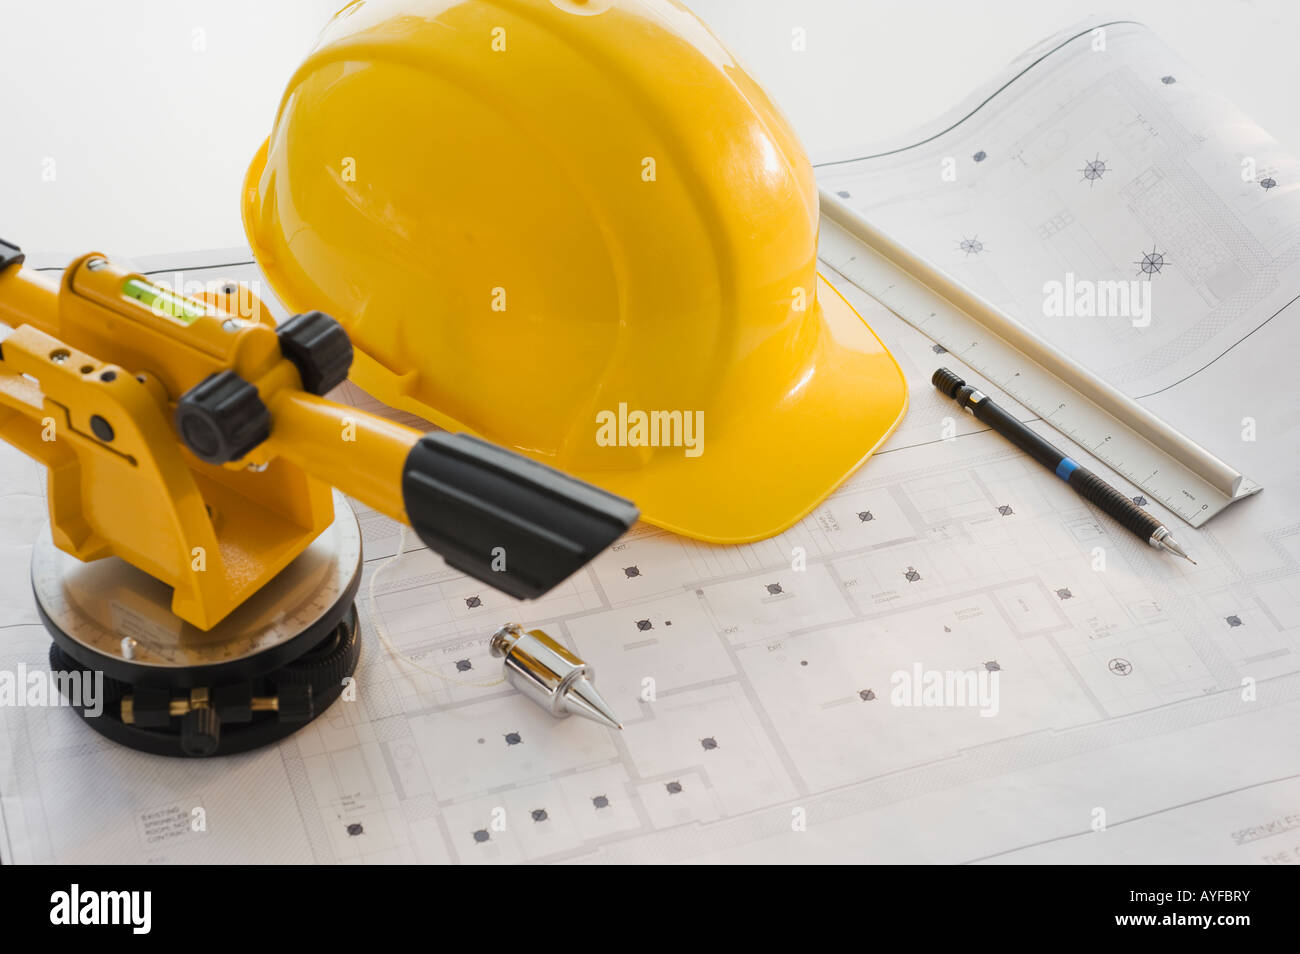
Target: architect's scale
<point x="1165" y="463"/>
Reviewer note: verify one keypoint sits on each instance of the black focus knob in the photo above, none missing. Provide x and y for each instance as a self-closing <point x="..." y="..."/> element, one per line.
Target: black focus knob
<point x="200" y="732"/>
<point x="222" y="418"/>
<point x="319" y="347"/>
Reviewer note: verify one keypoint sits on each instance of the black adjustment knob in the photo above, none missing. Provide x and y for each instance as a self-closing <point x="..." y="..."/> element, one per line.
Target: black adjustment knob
<point x="222" y="418"/>
<point x="319" y="347"/>
<point x="294" y="702"/>
<point x="200" y="732"/>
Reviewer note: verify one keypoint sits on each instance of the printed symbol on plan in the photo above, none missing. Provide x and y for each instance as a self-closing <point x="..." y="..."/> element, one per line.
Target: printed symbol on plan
<point x="631" y="571"/>
<point x="539" y="814"/>
<point x="992" y="666"/>
<point x="464" y="665"/>
<point x="355" y="829"/>
<point x="1233" y="620"/>
<point x="513" y="738"/>
<point x="980" y="156"/>
<point x="938" y="349"/>
<point x="1005" y="510"/>
<point x="774" y="589"/>
<point x="971" y="246"/>
<point x="1093" y="170"/>
<point x="1268" y="182"/>
<point x="644" y="624"/>
<point x="481" y="835"/>
<point x="1120" y="667"/>
<point x="1168" y="80"/>
<point x="866" y="695"/>
<point x="865" y="516"/>
<point x="1064" y="593"/>
<point x="1140" y="500"/>
<point x="674" y="788"/>
<point x="708" y="744"/>
<point x="911" y="575"/>
<point x="1152" y="262"/>
<point x="473" y="602"/>
<point x="600" y="801"/>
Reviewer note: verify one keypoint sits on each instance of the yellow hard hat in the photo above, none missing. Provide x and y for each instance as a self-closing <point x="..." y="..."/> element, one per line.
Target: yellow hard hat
<point x="579" y="229"/>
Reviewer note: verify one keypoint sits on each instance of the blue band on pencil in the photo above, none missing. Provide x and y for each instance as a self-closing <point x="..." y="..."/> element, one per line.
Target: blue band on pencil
<point x="1065" y="468"/>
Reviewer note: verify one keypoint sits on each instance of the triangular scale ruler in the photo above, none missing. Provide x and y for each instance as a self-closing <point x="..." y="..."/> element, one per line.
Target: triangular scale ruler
<point x="1148" y="452"/>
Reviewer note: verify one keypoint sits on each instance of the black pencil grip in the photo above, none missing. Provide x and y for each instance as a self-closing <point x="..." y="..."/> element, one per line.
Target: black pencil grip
<point x="1006" y="424"/>
<point x="1096" y="491"/>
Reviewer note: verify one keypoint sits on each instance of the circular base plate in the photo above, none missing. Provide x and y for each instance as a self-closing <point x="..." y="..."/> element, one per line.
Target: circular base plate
<point x="109" y="617"/>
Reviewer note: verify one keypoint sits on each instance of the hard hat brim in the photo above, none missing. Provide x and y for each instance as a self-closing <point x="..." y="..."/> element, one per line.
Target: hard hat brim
<point x="798" y="441"/>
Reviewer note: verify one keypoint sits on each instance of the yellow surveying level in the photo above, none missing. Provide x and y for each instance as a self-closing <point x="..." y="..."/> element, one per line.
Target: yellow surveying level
<point x="189" y="439"/>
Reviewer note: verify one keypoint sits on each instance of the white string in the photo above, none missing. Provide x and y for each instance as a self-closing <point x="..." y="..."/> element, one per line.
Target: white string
<point x="377" y="621"/>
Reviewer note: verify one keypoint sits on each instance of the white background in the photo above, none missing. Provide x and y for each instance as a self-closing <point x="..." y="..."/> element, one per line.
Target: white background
<point x="150" y="137"/>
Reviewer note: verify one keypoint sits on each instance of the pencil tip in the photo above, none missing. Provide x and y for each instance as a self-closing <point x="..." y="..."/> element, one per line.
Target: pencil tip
<point x="1169" y="543"/>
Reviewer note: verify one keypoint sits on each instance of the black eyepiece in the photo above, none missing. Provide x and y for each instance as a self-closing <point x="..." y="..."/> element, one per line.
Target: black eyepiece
<point x="515" y="524"/>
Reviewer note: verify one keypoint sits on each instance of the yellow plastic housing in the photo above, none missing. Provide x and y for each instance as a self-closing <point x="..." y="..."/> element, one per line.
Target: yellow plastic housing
<point x="529" y="214"/>
<point x="89" y="380"/>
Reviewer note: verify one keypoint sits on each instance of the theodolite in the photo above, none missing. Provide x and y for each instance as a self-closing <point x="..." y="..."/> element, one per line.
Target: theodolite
<point x="200" y="553"/>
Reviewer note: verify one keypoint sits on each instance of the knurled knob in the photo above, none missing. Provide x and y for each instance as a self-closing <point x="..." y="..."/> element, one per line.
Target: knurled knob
<point x="320" y="349"/>
<point x="200" y="732"/>
<point x="222" y="418"/>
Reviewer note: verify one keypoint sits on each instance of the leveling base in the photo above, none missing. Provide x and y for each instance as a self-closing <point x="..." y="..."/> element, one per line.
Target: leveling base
<point x="168" y="688"/>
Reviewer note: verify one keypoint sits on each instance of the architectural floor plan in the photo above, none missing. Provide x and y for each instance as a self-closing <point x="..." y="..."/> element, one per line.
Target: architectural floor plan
<point x="1145" y="708"/>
